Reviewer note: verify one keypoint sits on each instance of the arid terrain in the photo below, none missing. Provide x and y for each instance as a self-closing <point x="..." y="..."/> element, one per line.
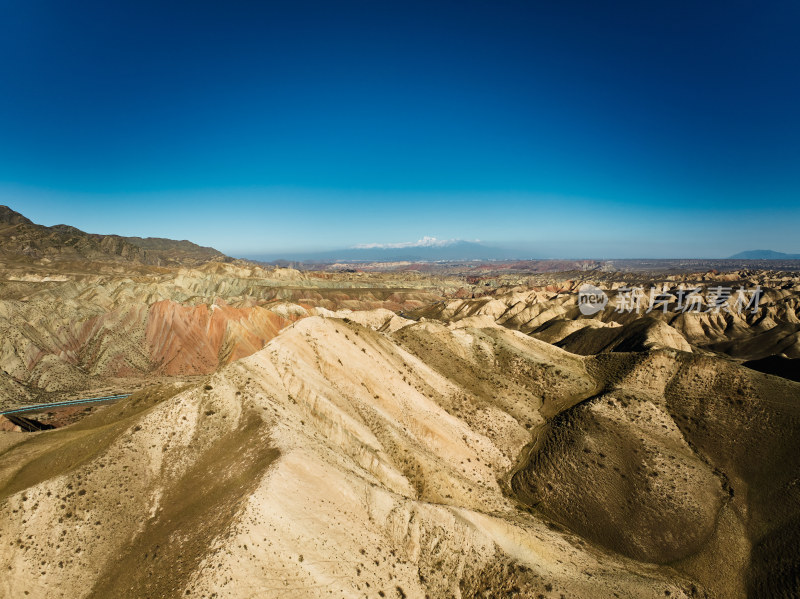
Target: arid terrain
<point x="437" y="432"/>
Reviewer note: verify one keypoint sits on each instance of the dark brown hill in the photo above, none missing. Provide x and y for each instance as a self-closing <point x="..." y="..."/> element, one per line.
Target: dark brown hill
<point x="20" y="238"/>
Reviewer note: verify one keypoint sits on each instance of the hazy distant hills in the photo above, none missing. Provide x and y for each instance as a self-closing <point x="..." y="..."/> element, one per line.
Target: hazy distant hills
<point x="424" y="250"/>
<point x="764" y="255"/>
<point x="21" y="238"/>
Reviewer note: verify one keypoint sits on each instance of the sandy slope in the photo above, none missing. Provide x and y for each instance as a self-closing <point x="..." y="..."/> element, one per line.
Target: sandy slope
<point x="393" y="458"/>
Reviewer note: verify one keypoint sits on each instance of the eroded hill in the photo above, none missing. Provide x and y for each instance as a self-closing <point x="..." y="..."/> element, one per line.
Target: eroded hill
<point x="66" y="332"/>
<point x="373" y="454"/>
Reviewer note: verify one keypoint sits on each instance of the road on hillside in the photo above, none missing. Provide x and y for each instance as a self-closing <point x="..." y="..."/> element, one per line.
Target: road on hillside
<point x="62" y="404"/>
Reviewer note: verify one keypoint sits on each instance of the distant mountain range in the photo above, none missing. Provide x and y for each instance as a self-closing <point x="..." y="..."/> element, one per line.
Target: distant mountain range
<point x="21" y="238"/>
<point x="764" y="255"/>
<point x="427" y="249"/>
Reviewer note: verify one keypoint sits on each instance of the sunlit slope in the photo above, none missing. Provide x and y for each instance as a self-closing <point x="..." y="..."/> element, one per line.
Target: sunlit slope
<point x="338" y="459"/>
<point x="368" y="453"/>
<point x="554" y="316"/>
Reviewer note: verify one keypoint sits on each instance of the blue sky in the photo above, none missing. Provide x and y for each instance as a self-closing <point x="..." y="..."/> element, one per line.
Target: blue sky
<point x="574" y="129"/>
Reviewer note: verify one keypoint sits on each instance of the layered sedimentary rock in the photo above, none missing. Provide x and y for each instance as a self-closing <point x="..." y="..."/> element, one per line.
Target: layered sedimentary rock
<point x="62" y="331"/>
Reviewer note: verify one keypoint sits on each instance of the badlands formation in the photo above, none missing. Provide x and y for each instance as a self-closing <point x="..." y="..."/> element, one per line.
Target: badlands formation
<point x="63" y="334"/>
<point x="395" y="434"/>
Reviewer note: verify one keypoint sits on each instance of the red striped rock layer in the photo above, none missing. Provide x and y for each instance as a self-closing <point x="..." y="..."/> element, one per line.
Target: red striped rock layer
<point x="57" y="348"/>
<point x="185" y="339"/>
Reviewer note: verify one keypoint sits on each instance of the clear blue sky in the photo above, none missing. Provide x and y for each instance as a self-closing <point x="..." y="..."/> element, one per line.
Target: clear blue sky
<point x="572" y="128"/>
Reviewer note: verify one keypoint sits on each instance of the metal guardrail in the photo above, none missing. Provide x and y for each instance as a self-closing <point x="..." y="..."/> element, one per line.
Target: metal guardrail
<point x="61" y="404"/>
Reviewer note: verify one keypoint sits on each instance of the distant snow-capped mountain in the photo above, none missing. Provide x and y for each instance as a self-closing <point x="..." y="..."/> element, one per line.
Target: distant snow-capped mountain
<point x="425" y="242"/>
<point x="427" y="249"/>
